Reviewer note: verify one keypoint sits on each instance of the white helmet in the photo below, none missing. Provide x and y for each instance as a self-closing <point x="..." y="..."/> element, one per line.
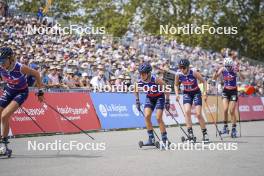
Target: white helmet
<point x="228" y="62"/>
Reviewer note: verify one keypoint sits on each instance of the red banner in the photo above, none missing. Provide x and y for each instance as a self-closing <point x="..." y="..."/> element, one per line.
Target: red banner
<point x="251" y="108"/>
<point x="77" y="107"/>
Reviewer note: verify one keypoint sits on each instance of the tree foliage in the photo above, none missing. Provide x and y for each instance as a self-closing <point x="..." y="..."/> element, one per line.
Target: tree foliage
<point x="117" y="15"/>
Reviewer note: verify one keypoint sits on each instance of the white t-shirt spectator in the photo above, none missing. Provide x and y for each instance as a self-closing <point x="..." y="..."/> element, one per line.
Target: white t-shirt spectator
<point x="54" y="79"/>
<point x="98" y="81"/>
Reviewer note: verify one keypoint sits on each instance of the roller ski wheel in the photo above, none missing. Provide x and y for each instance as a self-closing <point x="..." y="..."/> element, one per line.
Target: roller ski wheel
<point x="140" y="144"/>
<point x="166" y="143"/>
<point x="190" y="139"/>
<point x="183" y="139"/>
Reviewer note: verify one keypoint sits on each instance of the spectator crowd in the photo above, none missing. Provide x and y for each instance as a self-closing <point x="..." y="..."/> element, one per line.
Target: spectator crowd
<point x="86" y="62"/>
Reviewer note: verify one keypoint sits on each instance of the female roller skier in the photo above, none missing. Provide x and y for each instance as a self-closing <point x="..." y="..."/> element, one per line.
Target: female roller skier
<point x="155" y="98"/>
<point x="191" y="95"/>
<point x="230" y="93"/>
<point x="15" y="91"/>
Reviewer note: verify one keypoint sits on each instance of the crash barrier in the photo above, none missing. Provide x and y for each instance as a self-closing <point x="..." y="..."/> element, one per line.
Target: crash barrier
<point x="95" y="111"/>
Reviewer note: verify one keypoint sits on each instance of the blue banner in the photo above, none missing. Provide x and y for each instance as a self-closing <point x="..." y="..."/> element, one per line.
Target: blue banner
<point x="118" y="110"/>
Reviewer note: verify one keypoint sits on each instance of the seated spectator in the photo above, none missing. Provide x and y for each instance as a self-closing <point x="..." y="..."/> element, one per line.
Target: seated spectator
<point x="69" y="80"/>
<point x="99" y="81"/>
<point x="85" y="82"/>
<point x="53" y="78"/>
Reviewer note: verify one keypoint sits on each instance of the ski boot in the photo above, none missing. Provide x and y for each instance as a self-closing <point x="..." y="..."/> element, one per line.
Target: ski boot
<point x="205" y="136"/>
<point x="150" y="142"/>
<point x="165" y="142"/>
<point x="4" y="150"/>
<point x="234" y="132"/>
<point x="191" y="137"/>
<point x="225" y="130"/>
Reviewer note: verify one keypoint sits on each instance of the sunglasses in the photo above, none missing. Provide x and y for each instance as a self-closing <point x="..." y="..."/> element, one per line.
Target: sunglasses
<point x="228" y="67"/>
<point x="182" y="68"/>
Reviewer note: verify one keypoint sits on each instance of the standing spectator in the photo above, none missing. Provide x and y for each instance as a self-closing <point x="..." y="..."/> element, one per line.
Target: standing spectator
<point x="3" y="9"/>
<point x="40" y="14"/>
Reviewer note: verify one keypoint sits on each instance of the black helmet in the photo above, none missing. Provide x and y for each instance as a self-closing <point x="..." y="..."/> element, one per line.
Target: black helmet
<point x="145" y="68"/>
<point x="184" y="63"/>
<point x="5" y="53"/>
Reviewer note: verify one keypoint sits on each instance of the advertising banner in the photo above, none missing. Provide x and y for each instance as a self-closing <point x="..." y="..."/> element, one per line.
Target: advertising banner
<point x="75" y="106"/>
<point x="118" y="110"/>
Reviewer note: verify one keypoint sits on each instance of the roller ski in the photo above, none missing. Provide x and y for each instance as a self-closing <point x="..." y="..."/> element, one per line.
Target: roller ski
<point x="150" y="142"/>
<point x="191" y="138"/>
<point x="4" y="150"/>
<point x="225" y="130"/>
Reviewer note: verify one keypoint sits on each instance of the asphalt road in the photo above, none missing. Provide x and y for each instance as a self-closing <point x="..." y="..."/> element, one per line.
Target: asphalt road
<point x="123" y="157"/>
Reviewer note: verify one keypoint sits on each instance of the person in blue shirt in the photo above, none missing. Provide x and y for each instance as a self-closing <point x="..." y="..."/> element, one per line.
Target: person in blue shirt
<point x="229" y="94"/>
<point x="191" y="95"/>
<point x="155" y="98"/>
<point x="14" y="74"/>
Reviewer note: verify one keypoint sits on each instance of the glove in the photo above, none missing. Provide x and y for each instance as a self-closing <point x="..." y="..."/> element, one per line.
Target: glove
<point x="138" y="105"/>
<point x="39" y="93"/>
<point x="167" y="104"/>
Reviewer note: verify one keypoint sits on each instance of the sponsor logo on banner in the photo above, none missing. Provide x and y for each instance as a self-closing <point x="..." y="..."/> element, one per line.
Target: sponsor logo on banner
<point x="258" y="108"/>
<point x="73" y="113"/>
<point x="103" y="110"/>
<point x="244" y="108"/>
<point x="20" y="116"/>
<point x="113" y="110"/>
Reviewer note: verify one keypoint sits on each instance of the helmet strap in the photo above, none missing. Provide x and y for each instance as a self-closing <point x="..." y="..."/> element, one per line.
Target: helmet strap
<point x="11" y="63"/>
